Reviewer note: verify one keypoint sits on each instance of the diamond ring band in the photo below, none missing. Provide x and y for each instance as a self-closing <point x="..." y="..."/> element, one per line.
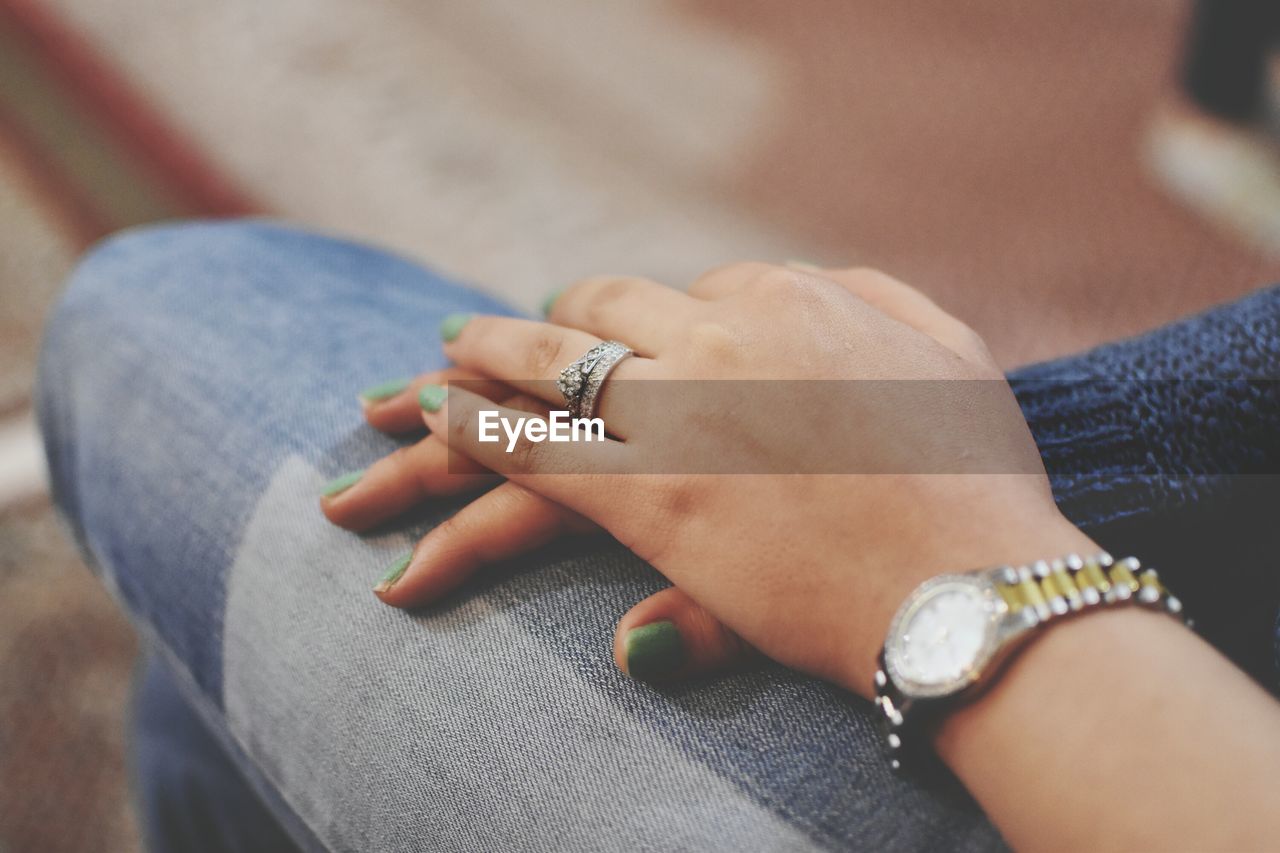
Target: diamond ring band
<point x="580" y="382"/>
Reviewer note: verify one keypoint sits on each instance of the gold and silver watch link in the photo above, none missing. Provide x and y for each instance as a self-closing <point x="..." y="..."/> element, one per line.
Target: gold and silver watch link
<point x="954" y="631"/>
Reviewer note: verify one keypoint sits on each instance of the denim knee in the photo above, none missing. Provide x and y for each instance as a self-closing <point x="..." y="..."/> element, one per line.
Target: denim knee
<point x="110" y="265"/>
<point x="130" y="279"/>
<point x="120" y="290"/>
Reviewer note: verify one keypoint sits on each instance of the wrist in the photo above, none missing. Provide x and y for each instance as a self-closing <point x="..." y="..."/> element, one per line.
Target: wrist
<point x="979" y="547"/>
<point x="1051" y="668"/>
<point x="954" y="635"/>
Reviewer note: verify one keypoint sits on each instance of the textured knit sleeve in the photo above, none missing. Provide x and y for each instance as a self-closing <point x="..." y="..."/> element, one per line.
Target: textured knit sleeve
<point x="1168" y="444"/>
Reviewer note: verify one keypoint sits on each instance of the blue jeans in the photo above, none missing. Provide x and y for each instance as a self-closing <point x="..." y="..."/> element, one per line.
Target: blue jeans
<point x="197" y="389"/>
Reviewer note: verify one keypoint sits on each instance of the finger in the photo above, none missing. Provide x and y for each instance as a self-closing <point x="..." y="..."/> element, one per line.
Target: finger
<point x="644" y="314"/>
<point x="503" y="523"/>
<point x="669" y="636"/>
<point x="727" y="280"/>
<point x="905" y="304"/>
<point x="529" y="356"/>
<point x="564" y="471"/>
<point x="392" y="407"/>
<point x="406" y="477"/>
<point x="401" y="480"/>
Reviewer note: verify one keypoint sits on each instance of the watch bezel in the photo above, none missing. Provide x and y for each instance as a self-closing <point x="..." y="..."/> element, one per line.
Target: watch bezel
<point x="995" y="608"/>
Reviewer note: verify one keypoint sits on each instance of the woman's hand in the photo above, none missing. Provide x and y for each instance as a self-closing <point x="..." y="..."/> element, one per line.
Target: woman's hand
<point x="807" y="553"/>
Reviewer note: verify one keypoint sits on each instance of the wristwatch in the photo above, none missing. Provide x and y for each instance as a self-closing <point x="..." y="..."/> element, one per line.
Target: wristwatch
<point x="954" y="632"/>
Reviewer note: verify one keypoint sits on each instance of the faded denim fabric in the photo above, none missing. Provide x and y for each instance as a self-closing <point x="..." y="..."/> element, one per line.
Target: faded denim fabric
<point x="197" y="389"/>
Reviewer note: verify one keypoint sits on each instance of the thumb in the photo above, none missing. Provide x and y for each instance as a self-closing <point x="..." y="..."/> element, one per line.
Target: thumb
<point x="669" y="636"/>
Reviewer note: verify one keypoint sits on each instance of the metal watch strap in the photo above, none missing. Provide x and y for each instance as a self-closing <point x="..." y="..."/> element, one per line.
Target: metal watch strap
<point x="1041" y="592"/>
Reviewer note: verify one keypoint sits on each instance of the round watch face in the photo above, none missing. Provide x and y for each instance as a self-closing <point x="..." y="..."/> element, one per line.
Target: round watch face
<point x="941" y="636"/>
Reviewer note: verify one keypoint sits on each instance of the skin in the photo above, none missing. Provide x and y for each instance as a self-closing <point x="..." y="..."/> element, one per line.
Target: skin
<point x="809" y="569"/>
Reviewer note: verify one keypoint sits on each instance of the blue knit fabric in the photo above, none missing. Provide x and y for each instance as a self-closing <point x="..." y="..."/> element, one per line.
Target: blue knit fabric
<point x="1167" y="447"/>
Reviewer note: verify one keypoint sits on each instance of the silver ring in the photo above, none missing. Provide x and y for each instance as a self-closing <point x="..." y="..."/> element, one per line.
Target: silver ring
<point x="580" y="382"/>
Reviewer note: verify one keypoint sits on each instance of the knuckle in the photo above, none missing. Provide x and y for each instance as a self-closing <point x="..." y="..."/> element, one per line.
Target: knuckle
<point x="775" y="283"/>
<point x="713" y="274"/>
<point x="713" y="343"/>
<point x="449" y="528"/>
<point x="786" y="293"/>
<point x="507" y="499"/>
<point x="867" y="283"/>
<point x="868" y="274"/>
<point x="569" y="299"/>
<point x="462" y="426"/>
<point x="868" y="278"/>
<point x="408" y="465"/>
<point x="723" y="277"/>
<point x="674" y="501"/>
<point x="524" y="455"/>
<point x="402" y="458"/>
<point x="747" y="271"/>
<point x="605" y="295"/>
<point x="544" y="354"/>
<point x="661" y="508"/>
<point x="425" y="473"/>
<point x="463" y="530"/>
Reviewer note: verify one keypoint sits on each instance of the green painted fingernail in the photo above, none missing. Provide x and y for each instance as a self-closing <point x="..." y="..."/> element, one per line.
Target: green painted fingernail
<point x="432" y="397"/>
<point x="384" y="390"/>
<point x="340" y="484"/>
<point x="549" y="302"/>
<point x="654" y="651"/>
<point x="452" y="325"/>
<point x="804" y="265"/>
<point x="394" y="573"/>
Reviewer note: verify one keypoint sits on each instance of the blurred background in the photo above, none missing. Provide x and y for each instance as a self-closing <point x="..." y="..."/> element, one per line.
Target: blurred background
<point x="989" y="152"/>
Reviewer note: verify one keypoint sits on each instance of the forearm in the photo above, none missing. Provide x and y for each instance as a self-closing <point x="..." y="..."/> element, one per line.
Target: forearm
<point x="1121" y="730"/>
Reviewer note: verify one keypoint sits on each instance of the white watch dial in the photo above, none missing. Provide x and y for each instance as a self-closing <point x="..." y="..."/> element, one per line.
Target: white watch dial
<point x="942" y="636"/>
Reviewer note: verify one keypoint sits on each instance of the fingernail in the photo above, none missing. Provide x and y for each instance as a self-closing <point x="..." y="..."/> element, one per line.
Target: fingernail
<point x="432" y="397"/>
<point x="654" y="651"/>
<point x="549" y="302"/>
<point x="804" y="265"/>
<point x="383" y="391"/>
<point x="394" y="573"/>
<point x="452" y="325"/>
<point x="340" y="484"/>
